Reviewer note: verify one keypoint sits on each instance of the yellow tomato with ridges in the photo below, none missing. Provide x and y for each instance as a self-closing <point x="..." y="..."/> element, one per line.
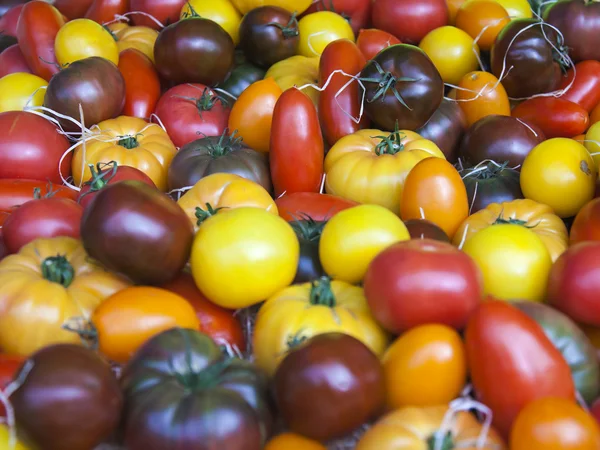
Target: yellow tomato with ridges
<point x="18" y="90"/>
<point x="84" y="38"/>
<point x="138" y="37"/>
<point x="319" y="29"/>
<point x="297" y="71"/>
<point x="220" y="11"/>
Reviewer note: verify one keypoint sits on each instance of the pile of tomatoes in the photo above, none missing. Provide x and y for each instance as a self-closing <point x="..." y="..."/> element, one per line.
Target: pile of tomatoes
<point x="296" y="224"/>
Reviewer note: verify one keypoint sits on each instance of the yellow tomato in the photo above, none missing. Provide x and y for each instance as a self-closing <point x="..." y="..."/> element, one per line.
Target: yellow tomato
<point x="516" y="9"/>
<point x="5" y="443"/>
<point x="138" y="37"/>
<point x="297" y="6"/>
<point x="354" y="237"/>
<point x="242" y="256"/>
<point x="514" y="261"/>
<point x="426" y="366"/>
<point x="297" y="71"/>
<point x="220" y="11"/>
<point x="18" y="90"/>
<point x="291" y="441"/>
<point x="560" y="173"/>
<point x="322" y="306"/>
<point x="453" y="52"/>
<point x="223" y="191"/>
<point x="83" y="38"/>
<point x="591" y="141"/>
<point x="319" y="29"/>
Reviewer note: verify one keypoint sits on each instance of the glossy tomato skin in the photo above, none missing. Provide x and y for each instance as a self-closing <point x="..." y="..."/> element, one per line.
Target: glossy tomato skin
<point x="371" y="41"/>
<point x="165" y="11"/>
<point x="142" y="85"/>
<point x="146" y="257"/>
<point x="317" y="206"/>
<point x="308" y="232"/>
<point x="586" y="226"/>
<point x="14" y="192"/>
<point x="103" y="11"/>
<point x="296" y="141"/>
<point x="556" y="117"/>
<point x="446" y="128"/>
<point x="191" y="111"/>
<point x="356" y="12"/>
<point x="13" y="61"/>
<point x="401" y="295"/>
<point x="77" y="382"/>
<point x="507" y="351"/>
<point x="409" y="20"/>
<point x="241" y="77"/>
<point x="489" y="184"/>
<point x="314" y="401"/>
<point x="9" y="368"/>
<point x="585" y="90"/>
<point x="32" y="155"/>
<point x="73" y="9"/>
<point x="424" y="229"/>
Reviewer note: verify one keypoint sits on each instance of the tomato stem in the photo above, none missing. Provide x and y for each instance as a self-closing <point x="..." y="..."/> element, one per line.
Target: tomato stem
<point x="290" y="30"/>
<point x="491" y="170"/>
<point x="391" y="144"/>
<point x="58" y="269"/>
<point x="512" y="221"/>
<point x="129" y="142"/>
<point x="321" y="293"/>
<point x="225" y="144"/>
<point x="192" y="13"/>
<point x="308" y="228"/>
<point x="447" y="443"/>
<point x="85" y="329"/>
<point x="207" y="378"/>
<point x="387" y="82"/>
<point x="203" y="214"/>
<point x="99" y="174"/>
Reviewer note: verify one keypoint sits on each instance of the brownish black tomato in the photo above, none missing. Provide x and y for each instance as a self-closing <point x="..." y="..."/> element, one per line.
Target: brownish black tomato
<point x="138" y="231"/>
<point x="309" y="232"/>
<point x="242" y="76"/>
<point x="424" y="229"/>
<point x="446" y="128"/>
<point x="182" y="392"/>
<point x="165" y="11"/>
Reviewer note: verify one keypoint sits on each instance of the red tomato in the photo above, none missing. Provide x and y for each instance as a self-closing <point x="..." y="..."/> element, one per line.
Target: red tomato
<point x="556" y="117"/>
<point x="356" y="12"/>
<point x="219" y="323"/>
<point x="296" y="151"/>
<point x="15" y="192"/>
<point x="339" y="109"/>
<point x="8" y="22"/>
<point x="9" y="368"/>
<point x="372" y="41"/>
<point x="165" y="11"/>
<point x="31" y="147"/>
<point x="409" y="20"/>
<point x="512" y="362"/>
<point x="401" y="292"/>
<point x="191" y="111"/>
<point x="573" y="284"/>
<point x="13" y="61"/>
<point x="585" y="90"/>
<point x="106" y="174"/>
<point x="586" y="226"/>
<point x="38" y="25"/>
<point x="142" y="85"/>
<point x="595" y="410"/>
<point x="318" y="206"/>
<point x="73" y="9"/>
<point x="103" y="11"/>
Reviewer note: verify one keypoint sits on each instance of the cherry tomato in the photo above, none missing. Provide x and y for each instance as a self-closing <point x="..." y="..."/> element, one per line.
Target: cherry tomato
<point x="318" y="29"/>
<point x="371" y="41"/>
<point x="142" y="85"/>
<point x="556" y="117"/>
<point x="585" y="90"/>
<point x="482" y="95"/>
<point x="476" y="15"/>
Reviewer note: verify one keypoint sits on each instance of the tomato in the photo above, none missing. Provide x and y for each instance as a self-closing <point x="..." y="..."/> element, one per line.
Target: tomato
<point x="8" y="20"/>
<point x="453" y="52"/>
<point x="585" y="90"/>
<point x="142" y="85"/>
<point x="482" y="20"/>
<point x="16" y="191"/>
<point x="319" y="29"/>
<point x="37" y="29"/>
<point x="409" y="20"/>
<point x="371" y="41"/>
<point x="296" y="141"/>
<point x="140" y="38"/>
<point x="18" y="90"/>
<point x="595" y="115"/>
<point x="591" y="141"/>
<point x="321" y="306"/>
<point x="516" y="9"/>
<point x="219" y="11"/>
<point x="73" y="9"/>
<point x="297" y="6"/>
<point x="219" y="323"/>
<point x="252" y="113"/>
<point x="354" y="237"/>
<point x="426" y="366"/>
<point x="13" y="61"/>
<point x="130" y="142"/>
<point x="556" y="117"/>
<point x="103" y="11"/>
<point x="595" y="410"/>
<point x="164" y="11"/>
<point x="297" y="71"/>
<point x="317" y="206"/>
<point x="560" y="173"/>
<point x="481" y="95"/>
<point x="340" y="102"/>
<point x="222" y="192"/>
<point x="83" y="38"/>
<point x="434" y="190"/>
<point x="9" y="369"/>
<point x="356" y="12"/>
<point x="507" y="351"/>
<point x="554" y="424"/>
<point x="586" y="226"/>
<point x="225" y="262"/>
<point x="292" y="441"/>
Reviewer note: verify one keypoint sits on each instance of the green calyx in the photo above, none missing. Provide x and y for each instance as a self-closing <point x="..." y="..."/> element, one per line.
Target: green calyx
<point x="447" y="442"/>
<point x="321" y="292"/>
<point x="128" y="142"/>
<point x="387" y="82"/>
<point x="290" y="30"/>
<point x="207" y="100"/>
<point x="58" y="269"/>
<point x="191" y="14"/>
<point x="511" y="221"/>
<point x="490" y="170"/>
<point x="100" y="176"/>
<point x="203" y="214"/>
<point x="307" y="228"/>
<point x="226" y="144"/>
<point x="207" y="378"/>
<point x="392" y="144"/>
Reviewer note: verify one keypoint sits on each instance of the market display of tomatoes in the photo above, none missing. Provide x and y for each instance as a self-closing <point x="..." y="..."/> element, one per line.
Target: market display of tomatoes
<point x="300" y="225"/>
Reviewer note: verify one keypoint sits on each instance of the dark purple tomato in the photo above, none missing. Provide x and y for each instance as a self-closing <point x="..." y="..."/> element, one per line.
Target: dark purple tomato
<point x="424" y="229"/>
<point x="309" y="233"/>
<point x="490" y="183"/>
<point x="138" y="231"/>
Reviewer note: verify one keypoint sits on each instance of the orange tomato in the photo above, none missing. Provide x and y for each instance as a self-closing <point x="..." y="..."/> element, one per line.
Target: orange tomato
<point x="127" y="319"/>
<point x="434" y="190"/>
<point x="453" y="7"/>
<point x="579" y="138"/>
<point x="481" y="95"/>
<point x="252" y="113"/>
<point x="426" y="366"/>
<point x="475" y="16"/>
<point x="595" y="115"/>
<point x="292" y="441"/>
<point x="554" y="424"/>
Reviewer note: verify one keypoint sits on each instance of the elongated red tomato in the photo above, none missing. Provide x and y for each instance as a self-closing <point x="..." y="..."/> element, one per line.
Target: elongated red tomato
<point x="36" y="31"/>
<point x="512" y="362"/>
<point x="103" y="11"/>
<point x="556" y="117"/>
<point x="297" y="149"/>
<point x="142" y="85"/>
<point x="318" y="206"/>
<point x="585" y="90"/>
<point x="339" y="109"/>
<point x="371" y="41"/>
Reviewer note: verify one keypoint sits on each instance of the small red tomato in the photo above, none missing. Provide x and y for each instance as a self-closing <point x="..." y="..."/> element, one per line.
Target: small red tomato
<point x="585" y="90"/>
<point x="556" y="117"/>
<point x="371" y="41"/>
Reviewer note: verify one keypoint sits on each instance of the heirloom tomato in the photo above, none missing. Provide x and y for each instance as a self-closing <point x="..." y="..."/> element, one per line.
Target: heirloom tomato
<point x="591" y="141"/>
<point x="370" y="167"/>
<point x="219" y="11"/>
<point x="291" y="441"/>
<point x="15" y="191"/>
<point x="356" y="12"/>
<point x="297" y="71"/>
<point x="309" y="233"/>
<point x="13" y="61"/>
<point x="353" y="237"/>
<point x="445" y="128"/>
<point x="317" y="206"/>
<point x="19" y="90"/>
<point x="491" y="183"/>
<point x="319" y="29"/>
<point x="242" y="256"/>
<point x="318" y="307"/>
<point x="297" y="6"/>
<point x="556" y="117"/>
<point x="371" y="41"/>
<point x="10" y="366"/>
<point x="582" y="84"/>
<point x="586" y="226"/>
<point x="142" y="85"/>
<point x="139" y="38"/>
<point x="165" y="12"/>
<point x="105" y="11"/>
<point x="84" y="38"/>
<point x="481" y="95"/>
<point x="241" y="77"/>
<point x="424" y="229"/>
<point x="9" y="16"/>
<point x="73" y="9"/>
<point x="482" y="20"/>
<point x="43" y="286"/>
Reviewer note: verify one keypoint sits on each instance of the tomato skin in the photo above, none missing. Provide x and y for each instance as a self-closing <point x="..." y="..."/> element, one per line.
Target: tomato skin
<point x="335" y="110"/>
<point x="103" y="11"/>
<point x="585" y="90"/>
<point x="318" y="206"/>
<point x="507" y="351"/>
<point x="9" y="368"/>
<point x="83" y="38"/>
<point x="400" y="296"/>
<point x="292" y="441"/>
<point x="371" y="41"/>
<point x="357" y="12"/>
<point x="16" y="191"/>
<point x="319" y="29"/>
<point x="8" y="21"/>
<point x="296" y="141"/>
<point x="586" y="226"/>
<point x="37" y="28"/>
<point x="142" y="85"/>
<point x="485" y="17"/>
<point x="595" y="410"/>
<point x="482" y="95"/>
<point x="73" y="9"/>
<point x="556" y="117"/>
<point x="165" y="11"/>
<point x="13" y="61"/>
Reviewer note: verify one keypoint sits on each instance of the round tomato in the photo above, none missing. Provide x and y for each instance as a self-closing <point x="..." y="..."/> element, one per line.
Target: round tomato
<point x="318" y="29"/>
<point x="219" y="11"/>
<point x="129" y="318"/>
<point x="244" y="255"/>
<point x="13" y="61"/>
<point x="15" y="191"/>
<point x="297" y="71"/>
<point x="84" y="38"/>
<point x="453" y="52"/>
<point x="516" y="9"/>
<point x="164" y="12"/>
<point x="142" y="85"/>
<point x="426" y="366"/>
<point x="139" y="38"/>
<point x="554" y="424"/>
<point x="591" y="141"/>
<point x="18" y="90"/>
<point x="353" y="237"/>
<point x="560" y="173"/>
<point x="292" y="441"/>
<point x="481" y="95"/>
<point x="514" y="261"/>
<point x="482" y="20"/>
<point x="371" y="41"/>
